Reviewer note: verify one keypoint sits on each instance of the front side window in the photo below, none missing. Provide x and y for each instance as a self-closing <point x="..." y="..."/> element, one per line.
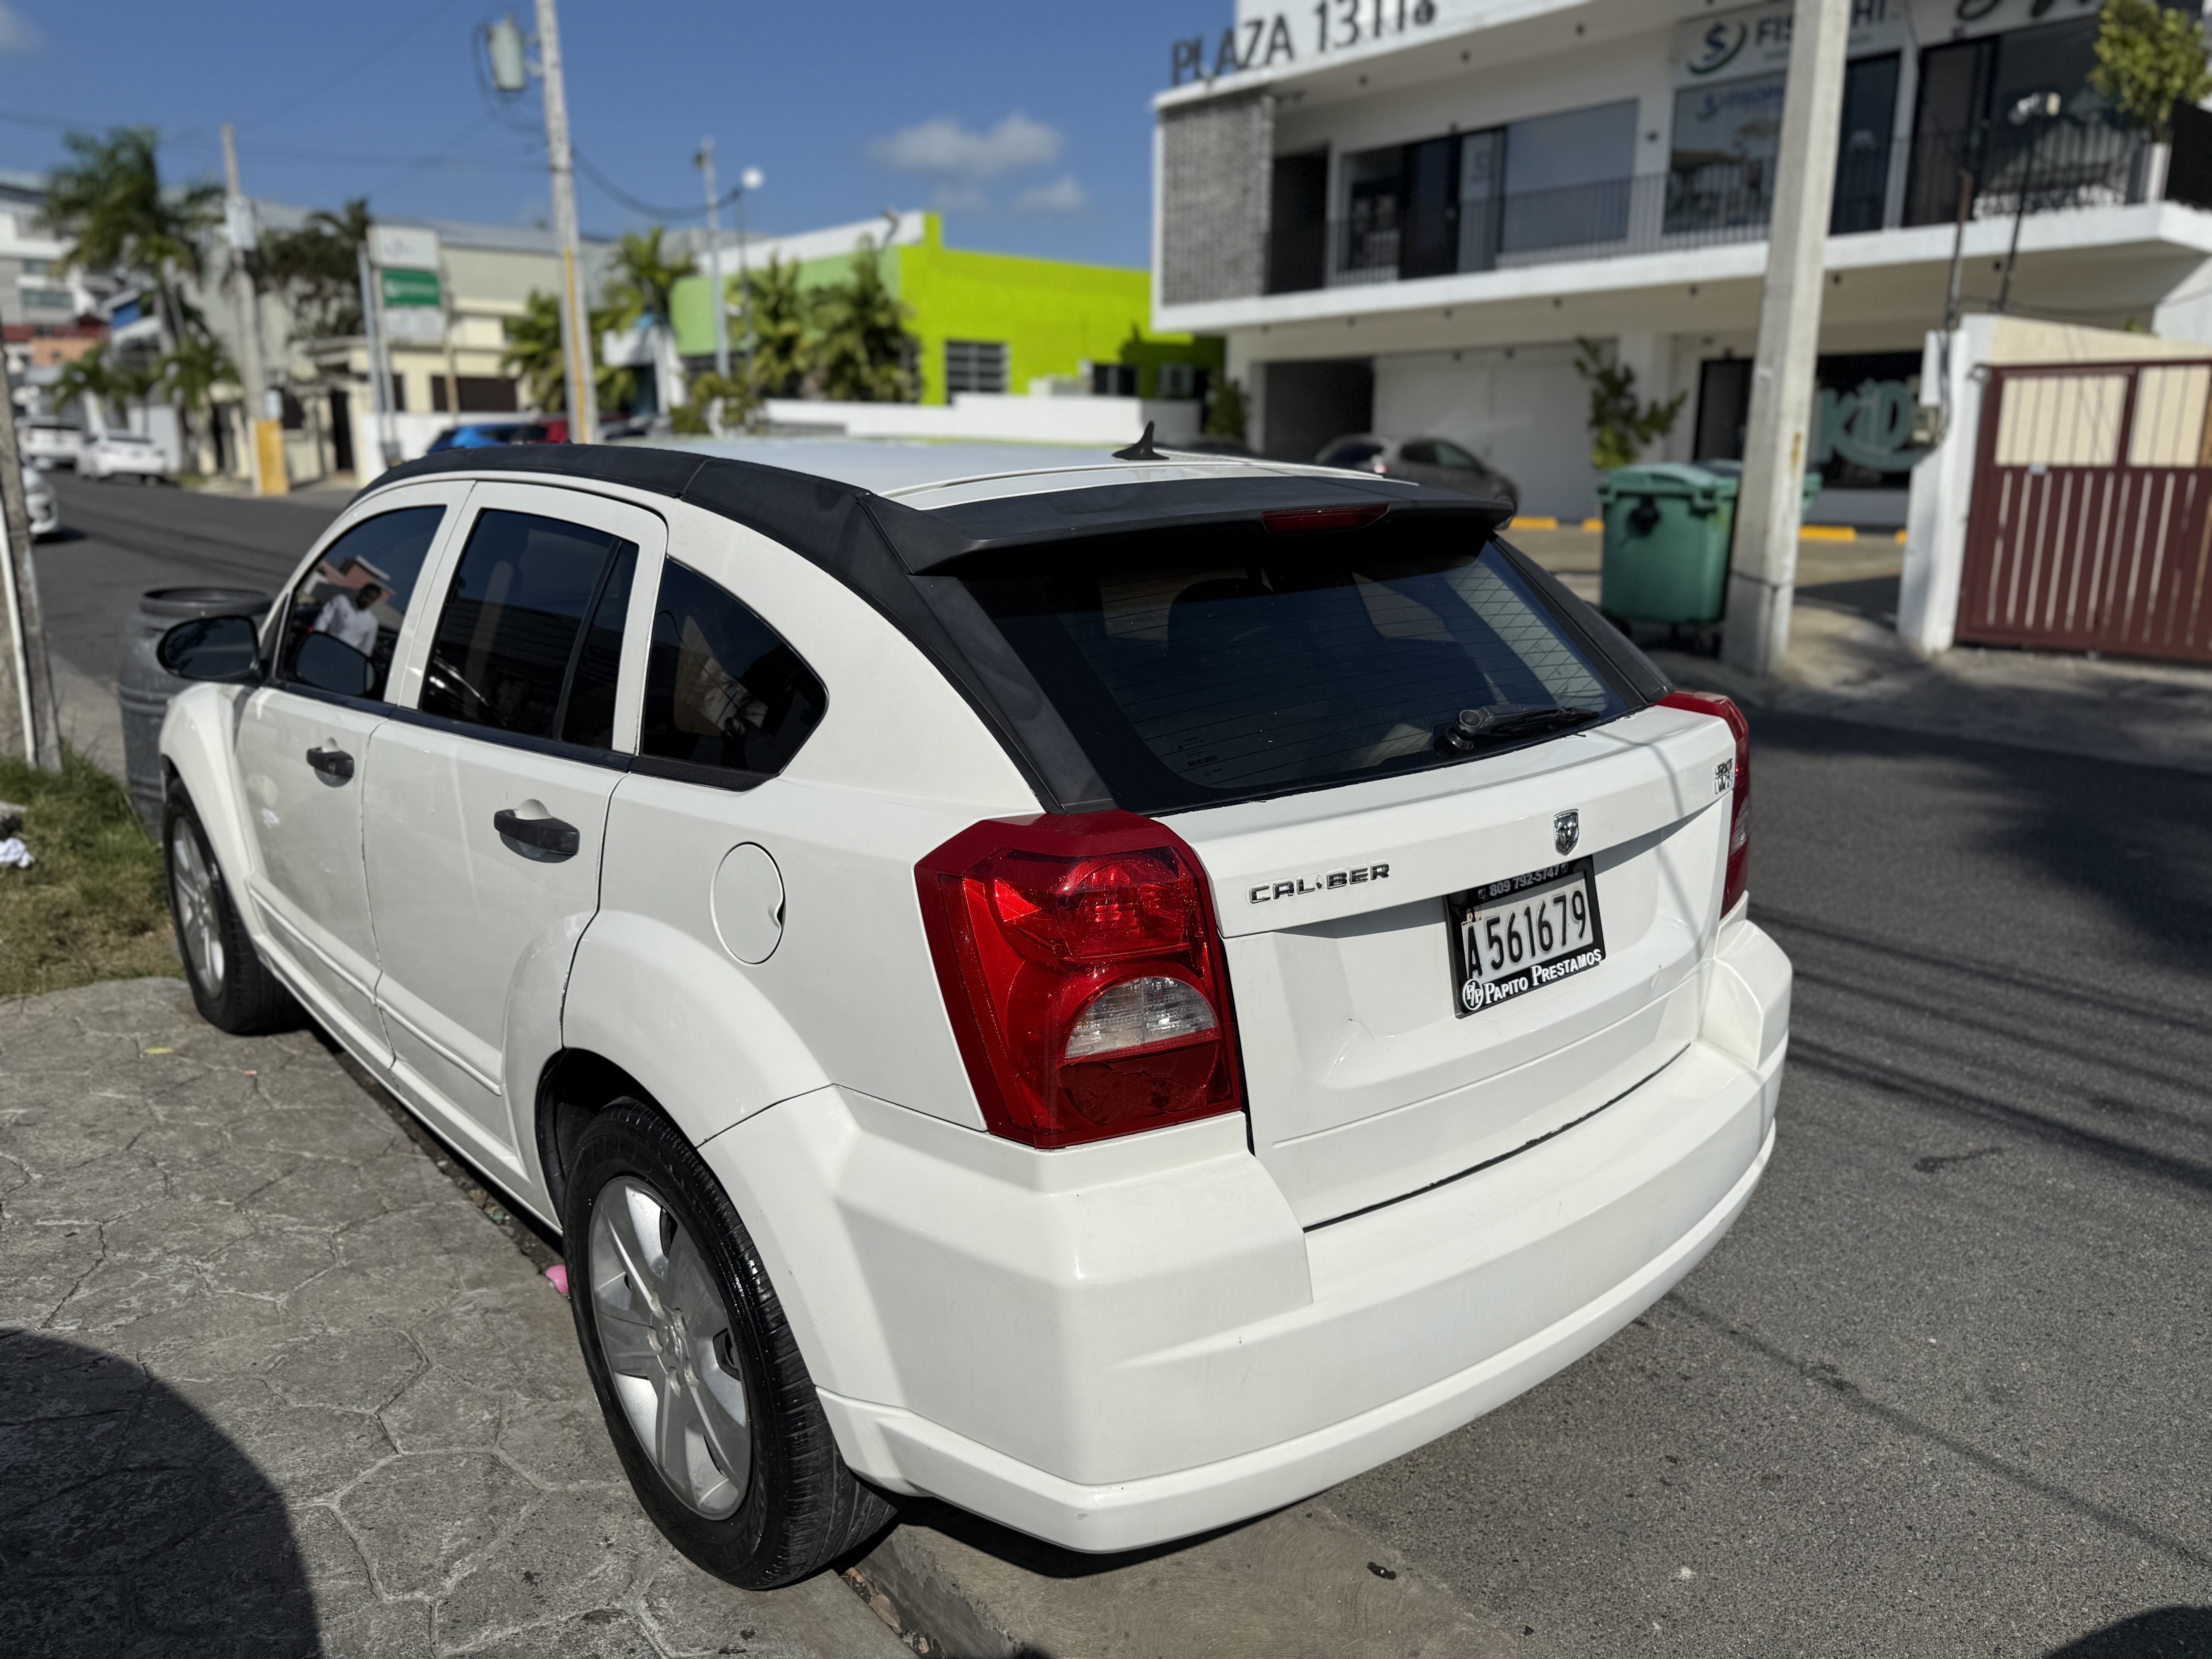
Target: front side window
<point x="531" y="635"/>
<point x="1204" y="667"/>
<point x="722" y="689"/>
<point x="345" y="615"/>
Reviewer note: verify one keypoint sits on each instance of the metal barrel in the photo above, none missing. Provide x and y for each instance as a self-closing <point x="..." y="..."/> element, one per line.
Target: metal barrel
<point x="145" y="687"/>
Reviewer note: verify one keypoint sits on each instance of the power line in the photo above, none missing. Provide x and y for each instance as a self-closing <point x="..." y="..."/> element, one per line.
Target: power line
<point x="351" y="70"/>
<point x="652" y="210"/>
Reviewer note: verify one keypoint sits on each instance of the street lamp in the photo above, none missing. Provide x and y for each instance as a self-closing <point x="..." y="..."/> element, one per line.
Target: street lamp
<point x="2031" y="107"/>
<point x="748" y="181"/>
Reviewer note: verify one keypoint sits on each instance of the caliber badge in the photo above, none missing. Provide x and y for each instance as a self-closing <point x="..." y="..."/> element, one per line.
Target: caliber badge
<point x="1566" y="830"/>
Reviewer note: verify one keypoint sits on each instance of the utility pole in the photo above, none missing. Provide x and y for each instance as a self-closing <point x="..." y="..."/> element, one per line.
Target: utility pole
<point x="253" y="383"/>
<point x="380" y="366"/>
<point x="575" y="317"/>
<point x="31" y="725"/>
<point x="706" y="160"/>
<point x="1763" y="571"/>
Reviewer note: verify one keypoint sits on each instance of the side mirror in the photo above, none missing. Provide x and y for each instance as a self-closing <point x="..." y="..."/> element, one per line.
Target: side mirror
<point x="212" y="648"/>
<point x="329" y="664"/>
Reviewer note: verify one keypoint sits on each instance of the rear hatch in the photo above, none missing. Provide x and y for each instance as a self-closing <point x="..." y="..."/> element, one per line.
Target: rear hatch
<point x="1367" y="1076"/>
<point x="1465" y="876"/>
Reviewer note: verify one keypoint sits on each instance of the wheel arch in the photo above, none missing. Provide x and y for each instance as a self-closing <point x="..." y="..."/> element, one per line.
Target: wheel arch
<point x="197" y="751"/>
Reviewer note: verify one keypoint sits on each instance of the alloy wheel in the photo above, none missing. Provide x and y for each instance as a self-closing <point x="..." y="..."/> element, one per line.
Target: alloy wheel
<point x="664" y="1330"/>
<point x="199" y="927"/>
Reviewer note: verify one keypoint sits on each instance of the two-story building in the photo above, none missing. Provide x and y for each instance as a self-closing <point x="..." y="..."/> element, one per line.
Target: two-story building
<point x="1403" y="214"/>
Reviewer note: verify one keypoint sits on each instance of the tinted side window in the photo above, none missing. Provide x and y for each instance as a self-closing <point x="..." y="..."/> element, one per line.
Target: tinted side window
<point x="722" y="688"/>
<point x="346" y="612"/>
<point x="512" y="629"/>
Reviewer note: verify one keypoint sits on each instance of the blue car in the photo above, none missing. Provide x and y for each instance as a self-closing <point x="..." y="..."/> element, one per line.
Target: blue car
<point x="495" y="435"/>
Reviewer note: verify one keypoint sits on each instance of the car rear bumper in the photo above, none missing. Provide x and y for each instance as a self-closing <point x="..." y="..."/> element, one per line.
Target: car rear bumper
<point x="1136" y="1344"/>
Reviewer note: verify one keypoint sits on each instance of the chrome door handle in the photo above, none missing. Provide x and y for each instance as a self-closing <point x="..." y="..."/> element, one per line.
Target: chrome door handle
<point x="549" y="841"/>
<point x="334" y="765"/>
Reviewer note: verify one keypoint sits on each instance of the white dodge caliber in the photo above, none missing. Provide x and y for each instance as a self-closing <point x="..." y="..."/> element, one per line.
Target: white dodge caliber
<point x="1115" y="995"/>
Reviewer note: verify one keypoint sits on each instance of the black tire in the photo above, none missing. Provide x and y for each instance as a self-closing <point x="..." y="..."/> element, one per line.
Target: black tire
<point x="231" y="985"/>
<point x="801" y="1508"/>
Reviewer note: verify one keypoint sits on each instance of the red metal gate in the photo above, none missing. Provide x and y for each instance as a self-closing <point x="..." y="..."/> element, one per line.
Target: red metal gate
<point x="2091" y="522"/>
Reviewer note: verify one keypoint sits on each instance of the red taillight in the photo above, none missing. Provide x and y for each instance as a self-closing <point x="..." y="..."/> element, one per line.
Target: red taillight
<point x="1739" y="858"/>
<point x="1304" y="521"/>
<point x="1084" y="975"/>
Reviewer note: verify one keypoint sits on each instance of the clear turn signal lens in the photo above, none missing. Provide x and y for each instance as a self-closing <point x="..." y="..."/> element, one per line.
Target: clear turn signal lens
<point x="1137" y="1013"/>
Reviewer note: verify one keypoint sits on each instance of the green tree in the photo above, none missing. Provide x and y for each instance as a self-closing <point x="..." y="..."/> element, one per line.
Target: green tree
<point x="863" y="353"/>
<point x="91" y="378"/>
<point x="642" y="288"/>
<point x="109" y="201"/>
<point x="533" y="353"/>
<point x="1225" y="416"/>
<point x="782" y="351"/>
<point x="318" y="270"/>
<point x="1621" y="426"/>
<point x="190" y="372"/>
<point x="2148" y="60"/>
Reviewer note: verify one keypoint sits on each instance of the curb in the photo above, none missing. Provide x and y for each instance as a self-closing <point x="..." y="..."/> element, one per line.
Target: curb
<point x="1302" y="1583"/>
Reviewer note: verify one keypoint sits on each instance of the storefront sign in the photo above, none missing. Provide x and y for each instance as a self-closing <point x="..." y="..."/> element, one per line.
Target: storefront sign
<point x="1757" y="42"/>
<point x="1269" y="35"/>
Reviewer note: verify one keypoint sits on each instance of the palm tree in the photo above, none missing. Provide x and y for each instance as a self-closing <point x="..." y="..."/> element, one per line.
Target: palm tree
<point x="864" y="354"/>
<point x="642" y="288"/>
<point x="191" y="371"/>
<point x="90" y="379"/>
<point x="318" y="268"/>
<point x="109" y="202"/>
<point x="533" y="352"/>
<point x="782" y="353"/>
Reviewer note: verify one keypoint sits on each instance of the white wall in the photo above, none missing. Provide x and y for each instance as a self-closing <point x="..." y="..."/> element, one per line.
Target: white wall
<point x="1004" y="417"/>
<point x="1522" y="409"/>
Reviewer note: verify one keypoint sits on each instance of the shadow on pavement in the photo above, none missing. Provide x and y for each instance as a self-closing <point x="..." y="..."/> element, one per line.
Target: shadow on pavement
<point x="2162" y="1633"/>
<point x="128" y="1522"/>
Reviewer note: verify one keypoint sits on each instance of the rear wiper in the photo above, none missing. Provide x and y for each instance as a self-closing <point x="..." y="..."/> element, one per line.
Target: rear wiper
<point x="1509" y="719"/>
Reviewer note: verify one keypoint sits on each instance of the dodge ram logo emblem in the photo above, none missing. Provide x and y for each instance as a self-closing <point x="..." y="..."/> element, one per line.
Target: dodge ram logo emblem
<point x="1566" y="830"/>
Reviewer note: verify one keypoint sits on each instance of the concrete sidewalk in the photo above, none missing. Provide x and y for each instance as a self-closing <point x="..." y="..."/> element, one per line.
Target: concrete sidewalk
<point x="1846" y="662"/>
<point x="270" y="1383"/>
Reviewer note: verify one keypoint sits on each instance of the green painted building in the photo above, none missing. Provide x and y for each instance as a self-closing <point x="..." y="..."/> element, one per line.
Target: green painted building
<point x="985" y="322"/>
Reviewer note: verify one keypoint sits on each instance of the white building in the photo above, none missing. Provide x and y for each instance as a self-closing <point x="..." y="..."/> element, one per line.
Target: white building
<point x="1403" y="214"/>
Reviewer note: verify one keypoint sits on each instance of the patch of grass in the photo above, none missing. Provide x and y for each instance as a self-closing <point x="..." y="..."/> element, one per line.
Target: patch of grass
<point x="95" y="905"/>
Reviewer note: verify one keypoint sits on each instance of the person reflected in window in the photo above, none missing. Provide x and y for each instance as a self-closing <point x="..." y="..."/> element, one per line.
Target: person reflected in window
<point x="348" y="618"/>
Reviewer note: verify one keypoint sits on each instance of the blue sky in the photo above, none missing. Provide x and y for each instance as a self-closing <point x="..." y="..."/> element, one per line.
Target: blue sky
<point x="1027" y="124"/>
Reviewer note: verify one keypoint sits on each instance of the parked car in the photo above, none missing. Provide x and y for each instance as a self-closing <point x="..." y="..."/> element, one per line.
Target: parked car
<point x="1424" y="460"/>
<point x="51" y="443"/>
<point x="493" y="435"/>
<point x="123" y="455"/>
<point x="1117" y="996"/>
<point x="38" y="498"/>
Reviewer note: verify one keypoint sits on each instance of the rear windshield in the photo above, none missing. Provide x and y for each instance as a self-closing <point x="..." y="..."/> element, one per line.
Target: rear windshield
<point x="1203" y="666"/>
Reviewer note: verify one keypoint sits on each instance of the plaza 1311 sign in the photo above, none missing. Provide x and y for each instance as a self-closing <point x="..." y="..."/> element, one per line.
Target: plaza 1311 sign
<point x="1269" y="35"/>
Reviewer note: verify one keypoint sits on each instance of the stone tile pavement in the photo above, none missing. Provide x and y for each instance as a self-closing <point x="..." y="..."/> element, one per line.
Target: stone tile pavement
<point x="270" y="1383"/>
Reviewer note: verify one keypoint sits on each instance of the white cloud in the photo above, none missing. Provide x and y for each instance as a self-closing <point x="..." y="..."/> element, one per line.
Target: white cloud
<point x="1064" y="195"/>
<point x="17" y="33"/>
<point x="943" y="149"/>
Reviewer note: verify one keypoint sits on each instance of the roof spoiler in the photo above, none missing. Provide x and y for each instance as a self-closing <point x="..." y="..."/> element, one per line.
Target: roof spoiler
<point x="930" y="540"/>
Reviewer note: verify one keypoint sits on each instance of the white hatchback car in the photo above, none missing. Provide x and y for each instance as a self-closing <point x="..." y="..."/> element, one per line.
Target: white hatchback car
<point x="1118" y="996"/>
<point x="123" y="455"/>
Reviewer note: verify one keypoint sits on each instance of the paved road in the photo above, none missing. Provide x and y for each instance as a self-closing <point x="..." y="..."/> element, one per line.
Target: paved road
<point x="1947" y="1389"/>
<point x="119" y="539"/>
<point x="1944" y="1390"/>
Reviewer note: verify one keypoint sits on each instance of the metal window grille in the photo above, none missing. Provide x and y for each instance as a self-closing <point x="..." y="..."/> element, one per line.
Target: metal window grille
<point x="975" y="365"/>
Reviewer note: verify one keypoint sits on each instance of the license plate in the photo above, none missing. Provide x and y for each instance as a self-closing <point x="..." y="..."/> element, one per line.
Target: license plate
<point x="1510" y="938"/>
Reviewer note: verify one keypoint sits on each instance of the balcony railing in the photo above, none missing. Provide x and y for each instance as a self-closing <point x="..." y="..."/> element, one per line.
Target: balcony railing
<point x="2041" y="169"/>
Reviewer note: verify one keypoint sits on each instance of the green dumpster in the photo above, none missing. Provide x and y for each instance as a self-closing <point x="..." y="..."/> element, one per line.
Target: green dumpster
<point x="1667" y="530"/>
